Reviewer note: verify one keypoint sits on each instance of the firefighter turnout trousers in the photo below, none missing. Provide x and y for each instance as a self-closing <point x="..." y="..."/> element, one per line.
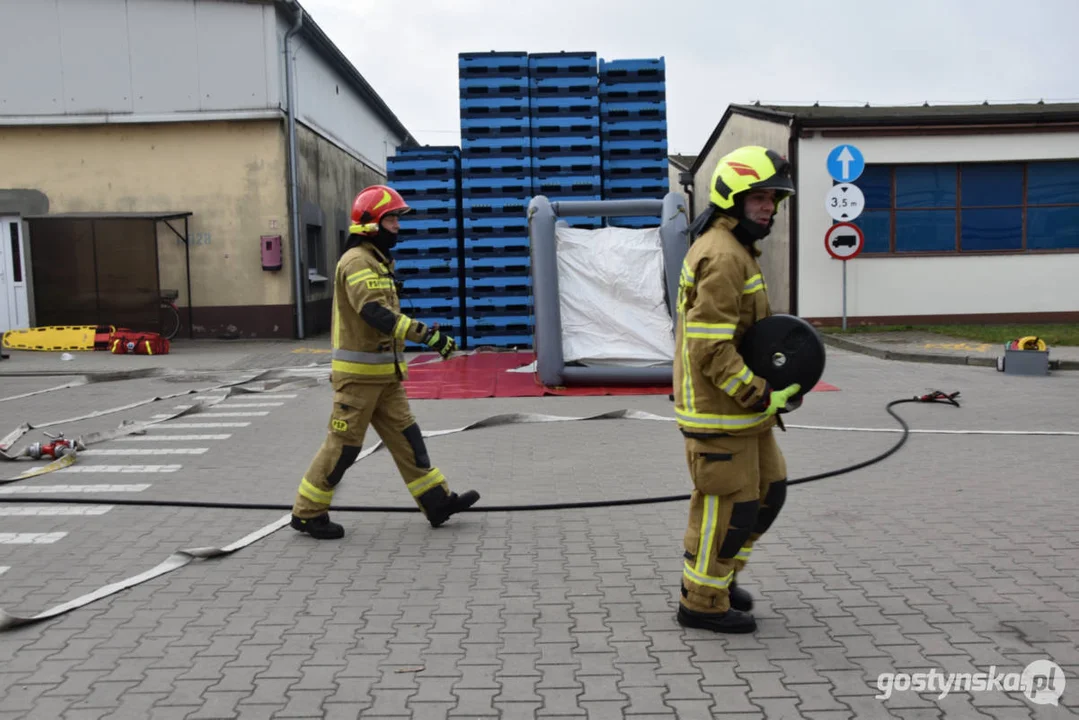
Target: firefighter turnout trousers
<point x="739" y="485"/>
<point x="385" y="407"/>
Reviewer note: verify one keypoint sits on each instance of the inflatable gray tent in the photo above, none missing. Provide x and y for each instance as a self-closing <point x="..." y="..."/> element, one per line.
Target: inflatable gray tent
<point x="649" y="260"/>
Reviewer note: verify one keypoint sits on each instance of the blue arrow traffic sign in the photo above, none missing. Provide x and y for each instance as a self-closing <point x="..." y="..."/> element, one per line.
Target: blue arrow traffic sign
<point x="845" y="163"/>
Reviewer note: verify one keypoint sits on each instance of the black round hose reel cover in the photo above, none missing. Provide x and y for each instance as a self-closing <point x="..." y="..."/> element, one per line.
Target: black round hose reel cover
<point x="784" y="349"/>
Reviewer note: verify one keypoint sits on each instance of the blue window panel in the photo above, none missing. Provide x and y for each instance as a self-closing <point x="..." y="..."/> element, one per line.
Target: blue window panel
<point x="996" y="229"/>
<point x="996" y="184"/>
<point x="876" y="184"/>
<point x="1053" y="228"/>
<point x="876" y="226"/>
<point x="1050" y="183"/>
<point x="925" y="231"/>
<point x="925" y="186"/>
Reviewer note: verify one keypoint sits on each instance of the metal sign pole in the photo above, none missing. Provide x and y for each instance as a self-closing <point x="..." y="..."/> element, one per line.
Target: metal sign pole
<point x="844" y="294"/>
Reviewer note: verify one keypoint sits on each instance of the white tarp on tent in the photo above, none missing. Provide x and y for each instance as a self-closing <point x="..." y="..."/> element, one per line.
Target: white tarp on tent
<point x="611" y="286"/>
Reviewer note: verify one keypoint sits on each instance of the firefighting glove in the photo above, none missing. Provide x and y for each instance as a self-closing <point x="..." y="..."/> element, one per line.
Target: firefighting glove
<point x="441" y="343"/>
<point x="777" y="399"/>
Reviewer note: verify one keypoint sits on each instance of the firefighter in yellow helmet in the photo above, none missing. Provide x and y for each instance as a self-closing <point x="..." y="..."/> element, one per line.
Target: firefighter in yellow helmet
<point x="369" y="334"/>
<point x="725" y="412"/>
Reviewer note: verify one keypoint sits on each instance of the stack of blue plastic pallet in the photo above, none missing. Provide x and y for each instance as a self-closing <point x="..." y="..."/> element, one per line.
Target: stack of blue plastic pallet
<point x="497" y="184"/>
<point x="633" y="121"/>
<point x="427" y="255"/>
<point x="566" y="129"/>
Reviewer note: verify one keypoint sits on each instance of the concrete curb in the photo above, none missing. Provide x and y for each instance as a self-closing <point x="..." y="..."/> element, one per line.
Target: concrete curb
<point x="933" y="358"/>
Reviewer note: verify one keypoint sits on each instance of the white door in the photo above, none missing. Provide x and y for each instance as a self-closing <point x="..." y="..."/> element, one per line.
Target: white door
<point x="14" y="310"/>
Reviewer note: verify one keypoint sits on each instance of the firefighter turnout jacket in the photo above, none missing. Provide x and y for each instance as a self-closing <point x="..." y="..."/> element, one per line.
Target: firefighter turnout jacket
<point x="369" y="330"/>
<point x="721" y="294"/>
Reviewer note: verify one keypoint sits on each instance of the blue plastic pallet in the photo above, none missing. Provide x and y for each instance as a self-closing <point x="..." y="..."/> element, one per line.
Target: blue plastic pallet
<point x="479" y="247"/>
<point x="573" y="105"/>
<point x="491" y="130"/>
<point x="567" y="165"/>
<point x="633" y="70"/>
<point x="564" y="86"/>
<point x="481" y="207"/>
<point x="633" y="112"/>
<point x="446" y="305"/>
<point x="518" y="166"/>
<point x="557" y="188"/>
<point x="431" y="208"/>
<point x="416" y="226"/>
<point x="495" y="107"/>
<point x="506" y="86"/>
<point x="422" y="247"/>
<point x="479" y="309"/>
<point x="631" y="183"/>
<point x="434" y="152"/>
<point x="498" y="187"/>
<point x="563" y="60"/>
<point x="626" y="149"/>
<point x="643" y="174"/>
<point x="405" y="165"/>
<point x="492" y="63"/>
<point x="633" y="92"/>
<point x="633" y="128"/>
<point x="563" y="126"/>
<point x="634" y="221"/>
<point x="418" y="288"/>
<point x="515" y="324"/>
<point x="498" y="286"/>
<point x="504" y="226"/>
<point x="408" y="268"/>
<point x="496" y="147"/>
<point x="428" y="185"/>
<point x="481" y="267"/>
<point x="565" y="146"/>
<point x="500" y="341"/>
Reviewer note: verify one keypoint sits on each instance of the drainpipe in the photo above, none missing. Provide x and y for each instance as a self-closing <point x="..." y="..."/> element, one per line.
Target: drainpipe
<point x="294" y="199"/>
<point x="685" y="179"/>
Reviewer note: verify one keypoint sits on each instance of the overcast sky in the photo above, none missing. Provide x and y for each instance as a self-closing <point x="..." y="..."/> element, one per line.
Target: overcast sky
<point x="720" y="52"/>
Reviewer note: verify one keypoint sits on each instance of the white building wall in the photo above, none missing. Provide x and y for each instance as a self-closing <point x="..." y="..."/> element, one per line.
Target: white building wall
<point x="96" y="61"/>
<point x="332" y="108"/>
<point x="921" y="286"/>
<point x="135" y="60"/>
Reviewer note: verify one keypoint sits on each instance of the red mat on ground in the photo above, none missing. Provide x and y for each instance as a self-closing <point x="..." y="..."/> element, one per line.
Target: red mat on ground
<point x="485" y="374"/>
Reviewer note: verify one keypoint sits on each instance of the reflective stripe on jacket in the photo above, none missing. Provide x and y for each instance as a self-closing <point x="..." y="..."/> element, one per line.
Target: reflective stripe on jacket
<point x="362" y="353"/>
<point x="721" y="293"/>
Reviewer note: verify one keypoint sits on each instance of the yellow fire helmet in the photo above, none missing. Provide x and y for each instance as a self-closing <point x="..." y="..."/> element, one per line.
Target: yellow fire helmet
<point x="750" y="168"/>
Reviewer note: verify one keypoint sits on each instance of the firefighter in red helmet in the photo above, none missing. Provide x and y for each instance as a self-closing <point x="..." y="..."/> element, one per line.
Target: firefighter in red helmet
<point x="368" y="366"/>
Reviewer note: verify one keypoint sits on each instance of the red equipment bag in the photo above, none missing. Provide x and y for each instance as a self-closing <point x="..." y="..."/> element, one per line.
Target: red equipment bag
<point x="130" y="342"/>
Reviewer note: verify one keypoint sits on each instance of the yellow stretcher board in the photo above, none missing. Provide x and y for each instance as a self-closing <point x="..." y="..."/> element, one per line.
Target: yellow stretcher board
<point x="55" y="338"/>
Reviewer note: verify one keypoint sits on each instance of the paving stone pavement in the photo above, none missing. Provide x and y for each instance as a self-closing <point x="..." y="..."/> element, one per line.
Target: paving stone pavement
<point x="959" y="554"/>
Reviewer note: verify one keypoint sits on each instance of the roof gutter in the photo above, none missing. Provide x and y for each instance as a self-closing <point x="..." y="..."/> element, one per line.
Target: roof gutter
<point x="293" y="189"/>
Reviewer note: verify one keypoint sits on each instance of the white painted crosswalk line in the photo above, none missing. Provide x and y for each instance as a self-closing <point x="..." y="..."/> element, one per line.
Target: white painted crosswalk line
<point x="143" y="451"/>
<point x="4" y="569"/>
<point x="254" y="413"/>
<point x="31" y="538"/>
<point x="237" y="406"/>
<point x="197" y="426"/>
<point x="55" y="510"/>
<point x="125" y="469"/>
<point x="273" y="394"/>
<point x="57" y="489"/>
<point x="178" y="438"/>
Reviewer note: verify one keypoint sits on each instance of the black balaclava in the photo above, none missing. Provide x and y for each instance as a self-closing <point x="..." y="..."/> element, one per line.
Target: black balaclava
<point x="383" y="240"/>
<point x="747" y="231"/>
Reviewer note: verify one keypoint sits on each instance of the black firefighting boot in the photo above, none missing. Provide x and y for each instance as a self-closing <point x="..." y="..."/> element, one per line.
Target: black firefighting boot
<point x="732" y="621"/>
<point x="320" y="527"/>
<point x="740" y="598"/>
<point x="439" y="506"/>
